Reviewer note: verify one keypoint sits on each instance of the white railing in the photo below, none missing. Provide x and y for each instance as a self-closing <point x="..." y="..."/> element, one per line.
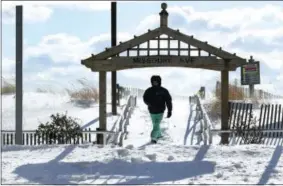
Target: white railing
<point x="120" y="127"/>
<point x="204" y="134"/>
<point x="139" y="93"/>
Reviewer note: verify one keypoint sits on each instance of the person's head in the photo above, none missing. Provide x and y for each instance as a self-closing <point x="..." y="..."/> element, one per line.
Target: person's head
<point x="155" y="80"/>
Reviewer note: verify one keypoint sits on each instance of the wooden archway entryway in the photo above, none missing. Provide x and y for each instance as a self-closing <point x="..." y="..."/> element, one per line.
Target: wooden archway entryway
<point x="120" y="57"/>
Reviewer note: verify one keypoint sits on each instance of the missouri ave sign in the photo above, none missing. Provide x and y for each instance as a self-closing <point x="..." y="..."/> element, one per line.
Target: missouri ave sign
<point x="125" y="62"/>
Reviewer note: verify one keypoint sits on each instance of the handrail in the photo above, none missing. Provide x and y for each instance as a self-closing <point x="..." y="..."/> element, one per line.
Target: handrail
<point x="139" y="92"/>
<point x="204" y="134"/>
<point x="120" y="127"/>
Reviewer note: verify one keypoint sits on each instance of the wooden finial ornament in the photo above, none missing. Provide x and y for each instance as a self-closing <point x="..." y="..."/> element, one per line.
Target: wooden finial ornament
<point x="163" y="15"/>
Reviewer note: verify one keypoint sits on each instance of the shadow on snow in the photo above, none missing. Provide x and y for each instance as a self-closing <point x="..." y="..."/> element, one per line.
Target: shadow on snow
<point x="56" y="172"/>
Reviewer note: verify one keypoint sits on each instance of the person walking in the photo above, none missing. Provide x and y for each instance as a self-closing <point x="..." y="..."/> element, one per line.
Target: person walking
<point x="157" y="98"/>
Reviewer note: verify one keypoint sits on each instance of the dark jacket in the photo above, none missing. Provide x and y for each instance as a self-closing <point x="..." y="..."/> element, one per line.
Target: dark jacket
<point x="156" y="97"/>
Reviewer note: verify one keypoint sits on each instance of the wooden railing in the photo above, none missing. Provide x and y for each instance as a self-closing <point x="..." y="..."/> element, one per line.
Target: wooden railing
<point x="139" y="92"/>
<point x="120" y="127"/>
<point x="204" y="133"/>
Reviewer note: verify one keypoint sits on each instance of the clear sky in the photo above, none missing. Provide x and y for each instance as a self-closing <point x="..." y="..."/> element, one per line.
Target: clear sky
<point x="57" y="35"/>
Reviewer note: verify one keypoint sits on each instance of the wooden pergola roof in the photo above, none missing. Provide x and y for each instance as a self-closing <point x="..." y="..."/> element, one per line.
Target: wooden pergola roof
<point x="111" y="59"/>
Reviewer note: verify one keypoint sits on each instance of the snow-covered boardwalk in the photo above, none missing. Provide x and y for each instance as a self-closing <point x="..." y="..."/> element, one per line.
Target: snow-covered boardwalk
<point x="177" y="130"/>
<point x="176" y="160"/>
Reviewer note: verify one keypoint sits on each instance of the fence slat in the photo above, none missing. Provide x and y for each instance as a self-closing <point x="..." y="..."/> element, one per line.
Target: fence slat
<point x="86" y="135"/>
<point x="275" y="120"/>
<point x="281" y="122"/>
<point x="34" y="139"/>
<point x="271" y="120"/>
<point x="278" y="121"/>
<point x="3" y="138"/>
<point x="243" y="122"/>
<point x="247" y="118"/>
<point x="12" y="137"/>
<point x="27" y="139"/>
<point x="235" y="109"/>
<point x="238" y="117"/>
<point x="264" y="121"/>
<point x="267" y="122"/>
<point x="8" y="139"/>
<point x="89" y="135"/>
<point x="31" y="138"/>
<point x="82" y="138"/>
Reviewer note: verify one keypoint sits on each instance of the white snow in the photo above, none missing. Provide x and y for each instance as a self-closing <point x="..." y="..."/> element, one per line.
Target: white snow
<point x="175" y="160"/>
<point x="156" y="164"/>
<point x="37" y="107"/>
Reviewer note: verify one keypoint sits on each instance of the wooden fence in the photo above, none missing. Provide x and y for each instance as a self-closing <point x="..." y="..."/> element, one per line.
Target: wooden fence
<point x="30" y="138"/>
<point x="245" y="128"/>
<point x="116" y="135"/>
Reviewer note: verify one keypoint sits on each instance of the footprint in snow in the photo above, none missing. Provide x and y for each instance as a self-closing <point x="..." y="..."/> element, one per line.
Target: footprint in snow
<point x="123" y="152"/>
<point x="130" y="147"/>
<point x="137" y="160"/>
<point x="170" y="158"/>
<point x="219" y="175"/>
<point x="152" y="157"/>
<point x="246" y="179"/>
<point x="237" y="165"/>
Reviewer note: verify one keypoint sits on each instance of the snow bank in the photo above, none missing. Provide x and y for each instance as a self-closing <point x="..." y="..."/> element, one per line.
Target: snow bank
<point x="37" y="107"/>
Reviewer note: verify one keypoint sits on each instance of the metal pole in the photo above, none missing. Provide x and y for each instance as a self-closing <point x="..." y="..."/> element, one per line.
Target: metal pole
<point x="113" y="43"/>
<point x="19" y="75"/>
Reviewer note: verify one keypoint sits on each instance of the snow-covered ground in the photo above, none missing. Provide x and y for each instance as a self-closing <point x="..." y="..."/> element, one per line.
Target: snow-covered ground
<point x="155" y="164"/>
<point x="175" y="160"/>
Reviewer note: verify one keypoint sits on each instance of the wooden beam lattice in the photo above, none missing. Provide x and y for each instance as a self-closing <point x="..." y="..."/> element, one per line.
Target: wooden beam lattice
<point x="174" y="48"/>
<point x="178" y="45"/>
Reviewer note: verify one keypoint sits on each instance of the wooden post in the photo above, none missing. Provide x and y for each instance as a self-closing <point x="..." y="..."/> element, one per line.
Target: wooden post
<point x="102" y="106"/>
<point x="113" y="43"/>
<point x="251" y="87"/>
<point x="224" y="104"/>
<point x="118" y="94"/>
<point x="19" y="75"/>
